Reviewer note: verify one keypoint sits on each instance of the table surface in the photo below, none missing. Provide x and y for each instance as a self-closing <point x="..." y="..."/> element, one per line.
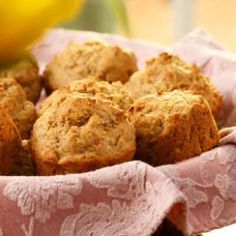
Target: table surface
<point x="226" y="231"/>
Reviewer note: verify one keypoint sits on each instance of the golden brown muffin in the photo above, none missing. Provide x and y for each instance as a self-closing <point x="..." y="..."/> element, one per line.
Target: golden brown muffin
<point x="13" y="100"/>
<point x="115" y="92"/>
<point x="24" y="163"/>
<point x="25" y="71"/>
<point x="80" y="133"/>
<point x="75" y="62"/>
<point x="167" y="73"/>
<point x="10" y="143"/>
<point x="172" y="127"/>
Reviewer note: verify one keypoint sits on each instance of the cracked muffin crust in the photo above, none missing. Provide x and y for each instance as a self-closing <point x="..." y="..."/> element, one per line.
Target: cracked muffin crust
<point x="115" y="92"/>
<point x="93" y="58"/>
<point x="172" y="127"/>
<point x="13" y="100"/>
<point x="25" y="71"/>
<point x="167" y="73"/>
<point x="10" y="143"/>
<point x="79" y="133"/>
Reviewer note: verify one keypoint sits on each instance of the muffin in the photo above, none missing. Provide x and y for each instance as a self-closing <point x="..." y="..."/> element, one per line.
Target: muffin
<point x="93" y="58"/>
<point x="10" y="143"/>
<point x="167" y="73"/>
<point x="172" y="127"/>
<point x="13" y="100"/>
<point x="24" y="163"/>
<point x="79" y="133"/>
<point x="25" y="71"/>
<point x="115" y="92"/>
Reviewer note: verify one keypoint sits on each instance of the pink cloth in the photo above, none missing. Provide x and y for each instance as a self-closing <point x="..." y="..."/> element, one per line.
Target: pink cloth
<point x="133" y="198"/>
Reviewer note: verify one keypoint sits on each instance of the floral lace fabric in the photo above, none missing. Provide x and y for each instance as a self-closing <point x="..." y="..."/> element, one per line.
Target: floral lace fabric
<point x="133" y="198"/>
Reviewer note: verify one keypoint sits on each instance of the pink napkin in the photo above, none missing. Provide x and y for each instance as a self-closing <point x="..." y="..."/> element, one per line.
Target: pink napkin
<point x="133" y="198"/>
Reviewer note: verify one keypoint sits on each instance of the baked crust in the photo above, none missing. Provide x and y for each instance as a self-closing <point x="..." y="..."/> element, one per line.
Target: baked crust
<point x="25" y="71"/>
<point x="114" y="92"/>
<point x="167" y="73"/>
<point x="10" y="143"/>
<point x="79" y="133"/>
<point x="172" y="127"/>
<point x="93" y="58"/>
<point x="24" y="164"/>
<point x="13" y="100"/>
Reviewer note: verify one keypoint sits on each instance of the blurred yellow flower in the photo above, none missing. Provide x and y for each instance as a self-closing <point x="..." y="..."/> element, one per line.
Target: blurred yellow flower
<point x="23" y="21"/>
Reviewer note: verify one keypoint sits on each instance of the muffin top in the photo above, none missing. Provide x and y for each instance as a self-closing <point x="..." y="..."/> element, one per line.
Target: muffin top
<point x="115" y="92"/>
<point x="13" y="100"/>
<point x="167" y="73"/>
<point x="172" y="127"/>
<point x="25" y="71"/>
<point x="154" y="114"/>
<point x="79" y="133"/>
<point x="93" y="58"/>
